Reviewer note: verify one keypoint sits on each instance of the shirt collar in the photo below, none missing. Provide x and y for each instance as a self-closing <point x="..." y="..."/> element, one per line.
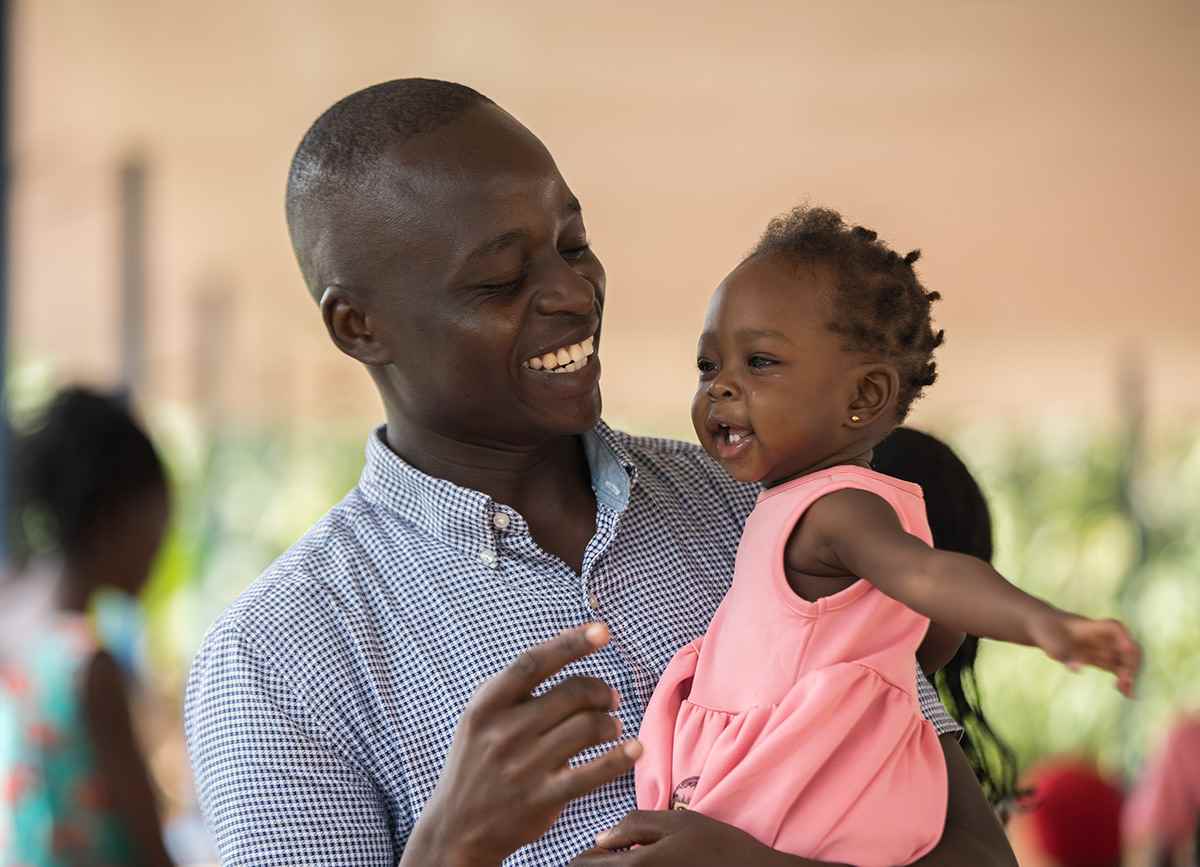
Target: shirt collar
<point x="464" y="517"/>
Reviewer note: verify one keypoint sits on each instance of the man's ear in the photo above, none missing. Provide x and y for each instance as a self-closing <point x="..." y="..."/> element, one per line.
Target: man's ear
<point x="877" y="389"/>
<point x="349" y="326"/>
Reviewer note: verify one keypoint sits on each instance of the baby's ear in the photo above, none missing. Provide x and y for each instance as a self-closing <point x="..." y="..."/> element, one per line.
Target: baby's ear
<point x="877" y="390"/>
<point x="349" y="326"/>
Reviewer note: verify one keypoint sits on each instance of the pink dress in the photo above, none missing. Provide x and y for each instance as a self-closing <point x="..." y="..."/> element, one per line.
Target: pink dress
<point x="798" y="721"/>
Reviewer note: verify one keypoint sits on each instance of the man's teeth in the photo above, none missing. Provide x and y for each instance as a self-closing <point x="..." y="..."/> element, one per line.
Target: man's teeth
<point x="568" y="359"/>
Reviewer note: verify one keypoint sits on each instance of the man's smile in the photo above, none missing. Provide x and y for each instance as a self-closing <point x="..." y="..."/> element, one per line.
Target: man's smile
<point x="565" y="359"/>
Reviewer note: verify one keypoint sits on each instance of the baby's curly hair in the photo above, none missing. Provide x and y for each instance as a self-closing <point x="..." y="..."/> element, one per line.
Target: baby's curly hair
<point x="879" y="305"/>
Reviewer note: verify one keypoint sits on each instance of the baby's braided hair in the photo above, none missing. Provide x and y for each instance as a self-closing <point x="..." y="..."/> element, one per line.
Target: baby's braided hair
<point x="879" y="305"/>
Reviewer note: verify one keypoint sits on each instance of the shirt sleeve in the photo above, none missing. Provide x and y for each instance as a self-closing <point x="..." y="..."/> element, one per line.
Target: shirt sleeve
<point x="273" y="791"/>
<point x="933" y="709"/>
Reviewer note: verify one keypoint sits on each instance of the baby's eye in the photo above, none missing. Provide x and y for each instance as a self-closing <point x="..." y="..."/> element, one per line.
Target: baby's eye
<point x="705" y="365"/>
<point x="760" y="361"/>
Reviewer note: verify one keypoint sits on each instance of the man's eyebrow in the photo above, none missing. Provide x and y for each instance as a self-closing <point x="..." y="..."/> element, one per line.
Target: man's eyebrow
<point x="516" y="236"/>
<point x="498" y="243"/>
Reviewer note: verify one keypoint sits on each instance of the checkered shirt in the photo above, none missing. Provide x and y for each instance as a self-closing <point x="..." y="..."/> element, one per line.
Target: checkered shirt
<point x="321" y="705"/>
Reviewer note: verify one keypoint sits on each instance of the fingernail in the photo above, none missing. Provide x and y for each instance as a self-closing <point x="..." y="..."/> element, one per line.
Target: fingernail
<point x="633" y="749"/>
<point x="616" y="699"/>
<point x="620" y="727"/>
<point x="596" y="634"/>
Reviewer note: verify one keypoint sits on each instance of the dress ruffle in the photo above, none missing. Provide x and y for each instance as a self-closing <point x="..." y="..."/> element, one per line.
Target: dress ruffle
<point x="843" y="768"/>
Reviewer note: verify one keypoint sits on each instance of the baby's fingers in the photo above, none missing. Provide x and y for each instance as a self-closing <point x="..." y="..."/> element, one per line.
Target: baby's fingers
<point x="1115" y="650"/>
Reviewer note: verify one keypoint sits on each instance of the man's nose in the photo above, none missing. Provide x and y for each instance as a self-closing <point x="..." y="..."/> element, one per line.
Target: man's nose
<point x="567" y="291"/>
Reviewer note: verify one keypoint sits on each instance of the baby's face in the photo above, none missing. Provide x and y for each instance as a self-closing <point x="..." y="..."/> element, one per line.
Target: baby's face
<point x="774" y="382"/>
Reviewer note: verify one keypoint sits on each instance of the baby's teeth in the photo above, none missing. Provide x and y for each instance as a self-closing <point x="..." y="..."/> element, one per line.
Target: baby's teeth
<point x="564" y="357"/>
<point x="536" y="363"/>
<point x="576" y="352"/>
<point x="549" y="361"/>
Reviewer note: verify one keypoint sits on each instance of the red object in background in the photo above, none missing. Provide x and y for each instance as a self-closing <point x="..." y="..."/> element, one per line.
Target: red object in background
<point x="1075" y="814"/>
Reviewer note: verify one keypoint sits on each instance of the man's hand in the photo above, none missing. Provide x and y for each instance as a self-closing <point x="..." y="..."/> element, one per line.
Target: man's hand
<point x="507" y="778"/>
<point x="680" y="837"/>
<point x="1076" y="641"/>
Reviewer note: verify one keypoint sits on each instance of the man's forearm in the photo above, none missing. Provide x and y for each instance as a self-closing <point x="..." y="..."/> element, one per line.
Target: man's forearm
<point x="973" y="836"/>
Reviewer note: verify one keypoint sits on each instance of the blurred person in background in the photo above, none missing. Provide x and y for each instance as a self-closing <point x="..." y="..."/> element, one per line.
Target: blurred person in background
<point x="1162" y="815"/>
<point x="1068" y="813"/>
<point x="92" y="490"/>
<point x="960" y="521"/>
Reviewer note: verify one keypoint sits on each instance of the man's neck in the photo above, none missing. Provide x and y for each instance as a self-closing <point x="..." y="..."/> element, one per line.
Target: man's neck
<point x="527" y="478"/>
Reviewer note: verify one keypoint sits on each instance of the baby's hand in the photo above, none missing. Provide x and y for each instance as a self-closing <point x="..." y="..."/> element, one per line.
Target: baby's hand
<point x="1076" y="641"/>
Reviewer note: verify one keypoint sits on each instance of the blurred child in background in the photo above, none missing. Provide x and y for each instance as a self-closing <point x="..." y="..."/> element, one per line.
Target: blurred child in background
<point x="1069" y="815"/>
<point x="959" y="521"/>
<point x="75" y="789"/>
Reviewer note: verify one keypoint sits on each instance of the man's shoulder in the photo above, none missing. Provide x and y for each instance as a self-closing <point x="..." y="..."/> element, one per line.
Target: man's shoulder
<point x="307" y="590"/>
<point x="679" y="463"/>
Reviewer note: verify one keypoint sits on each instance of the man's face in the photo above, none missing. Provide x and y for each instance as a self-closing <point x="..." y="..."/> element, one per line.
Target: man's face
<point x="475" y="263"/>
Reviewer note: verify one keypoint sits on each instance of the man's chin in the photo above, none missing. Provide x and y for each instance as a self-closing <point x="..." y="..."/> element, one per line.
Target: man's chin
<point x="574" y="417"/>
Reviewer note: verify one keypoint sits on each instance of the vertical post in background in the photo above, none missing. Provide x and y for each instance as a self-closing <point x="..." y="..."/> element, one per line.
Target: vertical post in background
<point x="5" y="464"/>
<point x="133" y="275"/>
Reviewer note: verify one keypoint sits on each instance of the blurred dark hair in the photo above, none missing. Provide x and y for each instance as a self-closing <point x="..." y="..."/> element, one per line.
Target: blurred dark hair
<point x="85" y="455"/>
<point x="960" y="521"/>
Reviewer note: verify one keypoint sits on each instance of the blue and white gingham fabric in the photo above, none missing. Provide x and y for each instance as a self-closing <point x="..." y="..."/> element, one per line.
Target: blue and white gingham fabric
<point x="322" y="704"/>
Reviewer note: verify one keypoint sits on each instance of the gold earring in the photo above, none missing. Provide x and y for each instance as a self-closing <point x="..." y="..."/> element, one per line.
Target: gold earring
<point x="855" y="418"/>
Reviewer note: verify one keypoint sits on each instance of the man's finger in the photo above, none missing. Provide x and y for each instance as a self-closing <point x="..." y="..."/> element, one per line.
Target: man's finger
<point x="514" y="683"/>
<point x="573" y="695"/>
<point x="607" y="858"/>
<point x="638" y="828"/>
<point x="571" y="783"/>
<point x="574" y="734"/>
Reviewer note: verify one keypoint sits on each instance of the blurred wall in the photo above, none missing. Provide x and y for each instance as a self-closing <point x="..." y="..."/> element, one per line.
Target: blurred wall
<point x="1043" y="155"/>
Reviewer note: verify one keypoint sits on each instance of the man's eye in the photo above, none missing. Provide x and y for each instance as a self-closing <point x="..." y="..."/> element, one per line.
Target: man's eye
<point x="508" y="288"/>
<point x="760" y="361"/>
<point x="575" y="253"/>
<point x="704" y="365"/>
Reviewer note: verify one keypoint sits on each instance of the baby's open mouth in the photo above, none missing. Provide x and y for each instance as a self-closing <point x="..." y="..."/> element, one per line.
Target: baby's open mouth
<point x="732" y="440"/>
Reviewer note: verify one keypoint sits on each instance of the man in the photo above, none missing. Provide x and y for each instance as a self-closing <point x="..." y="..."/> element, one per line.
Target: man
<point x="371" y="697"/>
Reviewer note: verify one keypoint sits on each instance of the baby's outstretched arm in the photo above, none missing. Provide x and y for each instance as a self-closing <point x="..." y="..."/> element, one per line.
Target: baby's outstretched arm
<point x="856" y="531"/>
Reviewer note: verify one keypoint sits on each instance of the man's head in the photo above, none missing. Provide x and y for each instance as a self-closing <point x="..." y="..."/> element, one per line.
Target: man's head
<point x="447" y="252"/>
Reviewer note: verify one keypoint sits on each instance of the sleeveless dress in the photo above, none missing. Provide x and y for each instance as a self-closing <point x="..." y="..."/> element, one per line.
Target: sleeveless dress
<point x="54" y="809"/>
<point x="798" y="721"/>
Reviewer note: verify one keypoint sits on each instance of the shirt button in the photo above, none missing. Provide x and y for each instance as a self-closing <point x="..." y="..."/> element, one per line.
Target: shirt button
<point x="500" y="521"/>
<point x="487" y="557"/>
<point x="594" y="602"/>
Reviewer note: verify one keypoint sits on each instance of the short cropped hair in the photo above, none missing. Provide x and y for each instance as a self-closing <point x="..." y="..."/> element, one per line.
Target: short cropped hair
<point x="343" y="146"/>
